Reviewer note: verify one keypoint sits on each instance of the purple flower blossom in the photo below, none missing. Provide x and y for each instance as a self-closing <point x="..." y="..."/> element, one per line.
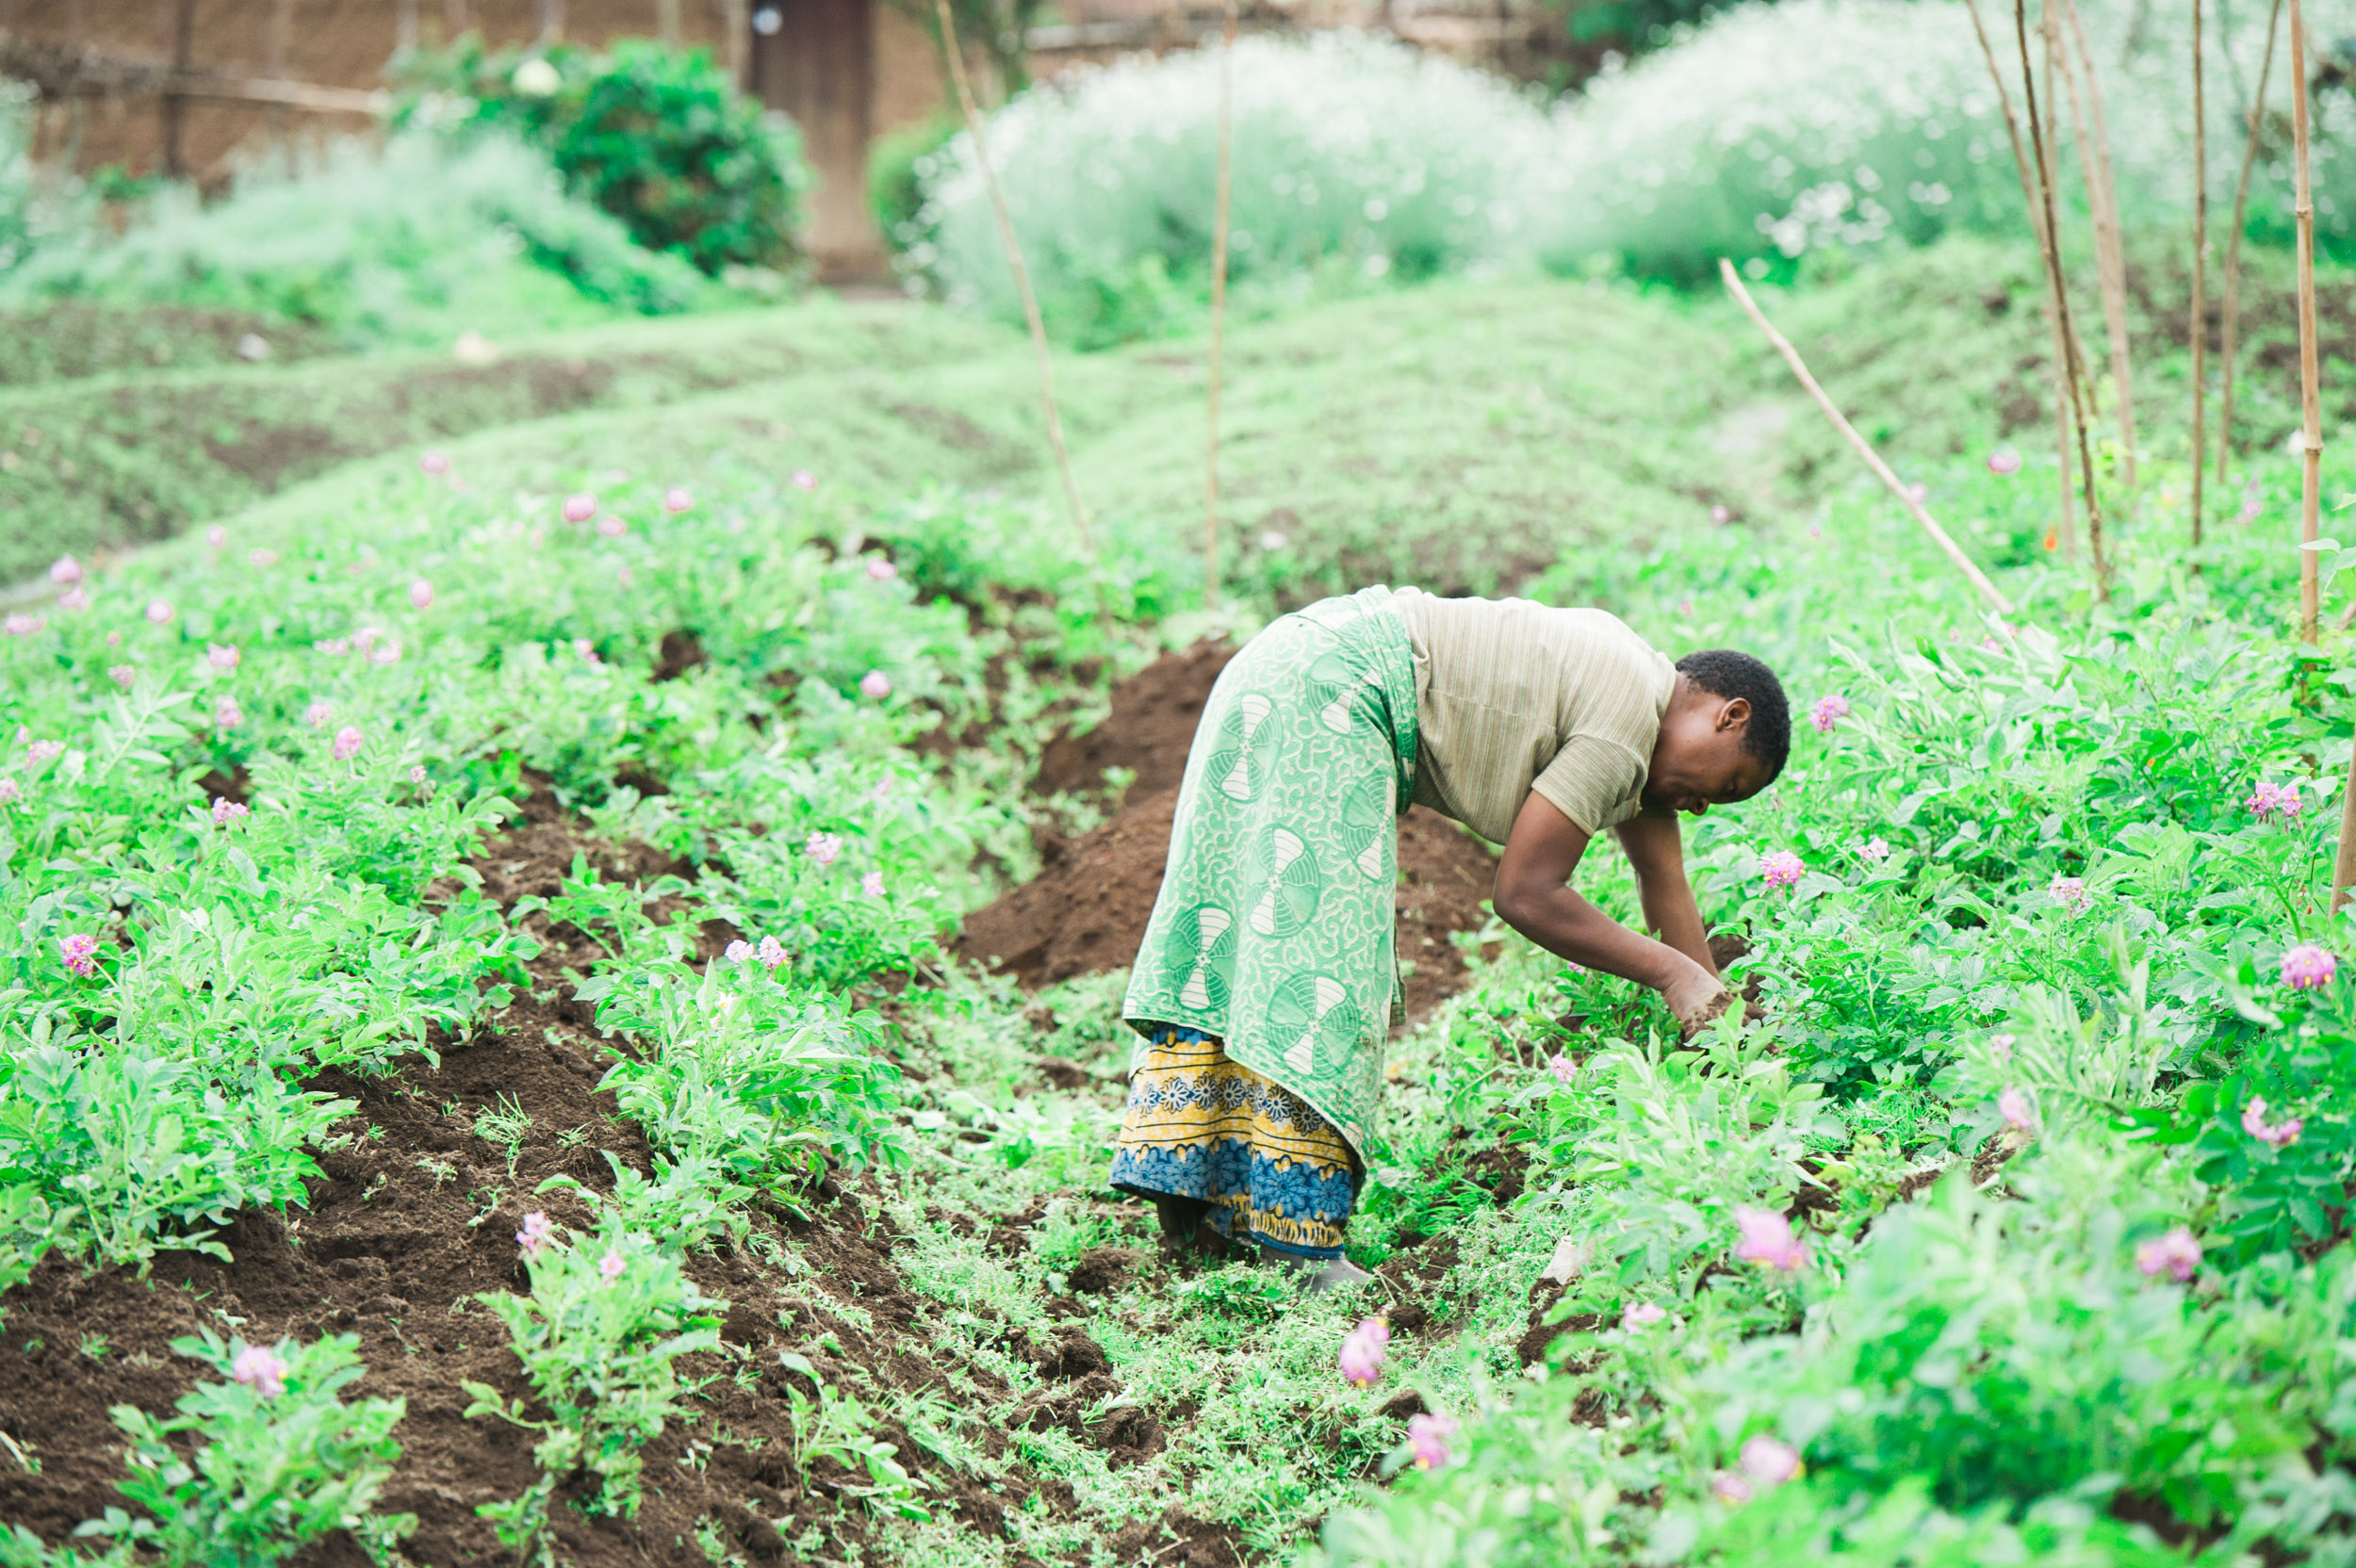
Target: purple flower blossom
<point x="2003" y="462"/>
<point x="159" y="612"/>
<point x="1428" y="1438"/>
<point x="875" y="684"/>
<point x="1731" y="1489"/>
<point x="1767" y="1239"/>
<point x="216" y="536"/>
<point x="880" y="570"/>
<point x="2070" y="893"/>
<point x="2176" y="1254"/>
<point x="74" y="600"/>
<point x="434" y="463"/>
<point x="221" y="657"/>
<point x="805" y="480"/>
<point x="1875" y="850"/>
<point x="347" y="744"/>
<point x="2000" y="1047"/>
<point x="226" y="811"/>
<point x="1829" y="712"/>
<point x="677" y="499"/>
<point x="585" y="650"/>
<point x="417" y="773"/>
<point x="260" y="558"/>
<point x="770" y="954"/>
<point x="609" y="1266"/>
<point x="611" y="527"/>
<point x="1564" y="1070"/>
<point x="738" y="952"/>
<point x="1917" y="492"/>
<point x="9" y="789"/>
<point x="581" y="508"/>
<point x="2279" y="1133"/>
<point x="79" y="953"/>
<point x="1642" y="1314"/>
<point x="226" y="714"/>
<point x="1769" y="1462"/>
<point x="2014" y="1107"/>
<point x="65" y="571"/>
<point x="2268" y="801"/>
<point x="420" y="595"/>
<point x="871" y="884"/>
<point x="44" y="751"/>
<point x="123" y="676"/>
<point x="823" y="847"/>
<point x="2308" y="968"/>
<point x="318" y="715"/>
<point x="263" y="1371"/>
<point x="536" y="1235"/>
<point x="1362" y="1351"/>
<point x="1719" y="514"/>
<point x="1781" y="868"/>
<point x="21" y="624"/>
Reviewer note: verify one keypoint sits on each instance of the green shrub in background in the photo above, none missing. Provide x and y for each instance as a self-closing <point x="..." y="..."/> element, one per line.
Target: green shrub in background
<point x="657" y="138"/>
<point x="898" y="163"/>
<point x="413" y="244"/>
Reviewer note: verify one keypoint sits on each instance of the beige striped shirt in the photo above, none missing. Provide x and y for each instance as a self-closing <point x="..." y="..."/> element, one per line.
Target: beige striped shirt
<point x="1513" y="697"/>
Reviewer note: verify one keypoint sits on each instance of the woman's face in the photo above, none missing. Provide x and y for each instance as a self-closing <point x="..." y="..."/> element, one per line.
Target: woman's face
<point x="1699" y="760"/>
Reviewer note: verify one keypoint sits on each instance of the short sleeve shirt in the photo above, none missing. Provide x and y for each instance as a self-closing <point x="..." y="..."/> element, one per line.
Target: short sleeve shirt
<point x="1513" y="697"/>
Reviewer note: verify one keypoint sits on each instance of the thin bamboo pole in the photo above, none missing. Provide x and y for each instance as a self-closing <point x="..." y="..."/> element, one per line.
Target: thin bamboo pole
<point x="1022" y="273"/>
<point x="2053" y="315"/>
<point x="2109" y="245"/>
<point x="2310" y="380"/>
<point x="2232" y="250"/>
<point x="2198" y="325"/>
<point x="1864" y="449"/>
<point x="2051" y="238"/>
<point x="1218" y="298"/>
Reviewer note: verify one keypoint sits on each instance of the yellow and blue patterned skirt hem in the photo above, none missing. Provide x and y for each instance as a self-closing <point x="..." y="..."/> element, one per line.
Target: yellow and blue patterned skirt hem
<point x="1198" y="1125"/>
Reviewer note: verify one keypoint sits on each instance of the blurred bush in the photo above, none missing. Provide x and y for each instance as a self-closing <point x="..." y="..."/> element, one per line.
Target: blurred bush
<point x="657" y="138"/>
<point x="412" y="244"/>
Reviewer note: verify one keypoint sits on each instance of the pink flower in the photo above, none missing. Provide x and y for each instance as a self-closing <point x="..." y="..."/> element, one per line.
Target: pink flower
<point x="44" y="751"/>
<point x="114" y="639"/>
<point x="1719" y="514"/>
<point x="123" y="675"/>
<point x="611" y="527"/>
<point x="823" y="847"/>
<point x="261" y="558"/>
<point x="217" y="537"/>
<point x="434" y="463"/>
<point x="159" y="612"/>
<point x="21" y="624"/>
<point x="2278" y="1134"/>
<point x="581" y="508"/>
<point x="1917" y="492"/>
<point x="677" y="499"/>
<point x="871" y="884"/>
<point x="805" y="480"/>
<point x="9" y="789"/>
<point x="1829" y="712"/>
<point x="79" y="953"/>
<point x="2014" y="1107"/>
<point x="875" y="684"/>
<point x="347" y="744"/>
<point x="2000" y="1047"/>
<point x="65" y="571"/>
<point x="420" y="595"/>
<point x="1642" y="1314"/>
<point x="585" y="649"/>
<point x="611" y="1265"/>
<point x="623" y="577"/>
<point x="226" y="811"/>
<point x="416" y="774"/>
<point x="2003" y="462"/>
<point x="1781" y="868"/>
<point x="1874" y="849"/>
<point x="2176" y="1254"/>
<point x="1731" y="1489"/>
<point x="1428" y="1439"/>
<point x="1564" y="1070"/>
<point x="770" y="954"/>
<point x="263" y="1371"/>
<point x="738" y="952"/>
<point x="1769" y="1462"/>
<point x="2267" y="800"/>
<point x="2251" y="510"/>
<point x="1362" y="1354"/>
<point x="74" y="599"/>
<point x="318" y="715"/>
<point x="2308" y="968"/>
<point x="880" y="570"/>
<point x="2070" y="893"/>
<point x="536" y="1235"/>
<point x="219" y="658"/>
<point x="226" y="714"/>
<point x="1767" y="1239"/>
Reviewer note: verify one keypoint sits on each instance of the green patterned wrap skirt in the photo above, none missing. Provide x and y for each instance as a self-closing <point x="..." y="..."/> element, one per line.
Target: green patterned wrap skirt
<point x="1274" y="931"/>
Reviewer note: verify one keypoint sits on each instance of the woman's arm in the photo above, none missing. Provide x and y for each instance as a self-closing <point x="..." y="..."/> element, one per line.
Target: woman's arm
<point x="1656" y="851"/>
<point x="1533" y="895"/>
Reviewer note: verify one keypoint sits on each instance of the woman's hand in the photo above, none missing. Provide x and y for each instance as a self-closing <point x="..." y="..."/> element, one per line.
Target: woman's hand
<point x="1697" y="997"/>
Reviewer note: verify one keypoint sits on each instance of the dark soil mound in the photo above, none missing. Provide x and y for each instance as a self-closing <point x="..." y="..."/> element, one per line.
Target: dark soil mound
<point x="1087" y="909"/>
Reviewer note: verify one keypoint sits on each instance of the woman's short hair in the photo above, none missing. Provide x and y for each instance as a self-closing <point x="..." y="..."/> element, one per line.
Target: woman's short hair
<point x="1726" y="673"/>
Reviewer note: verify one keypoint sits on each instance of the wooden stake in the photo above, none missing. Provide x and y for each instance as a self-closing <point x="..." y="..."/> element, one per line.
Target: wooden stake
<point x="1219" y="299"/>
<point x="1022" y="273"/>
<point x="2052" y="313"/>
<point x="2199" y="322"/>
<point x="2050" y="239"/>
<point x="176" y="105"/>
<point x="2110" y="249"/>
<point x="2232" y="250"/>
<point x="2310" y="386"/>
<point x="1864" y="447"/>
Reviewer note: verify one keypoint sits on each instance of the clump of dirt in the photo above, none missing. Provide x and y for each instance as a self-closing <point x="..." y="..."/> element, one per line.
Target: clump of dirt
<point x="1087" y="910"/>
